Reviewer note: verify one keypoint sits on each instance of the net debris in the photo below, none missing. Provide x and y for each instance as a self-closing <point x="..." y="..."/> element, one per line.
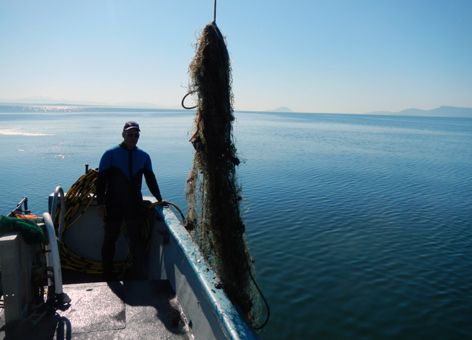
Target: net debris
<point x="213" y="194"/>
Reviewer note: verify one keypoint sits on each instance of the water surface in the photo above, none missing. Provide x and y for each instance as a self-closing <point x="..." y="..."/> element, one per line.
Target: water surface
<point x="360" y="225"/>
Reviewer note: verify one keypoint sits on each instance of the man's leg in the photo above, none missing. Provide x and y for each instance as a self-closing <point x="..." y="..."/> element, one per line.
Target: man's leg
<point x="112" y="231"/>
<point x="134" y="227"/>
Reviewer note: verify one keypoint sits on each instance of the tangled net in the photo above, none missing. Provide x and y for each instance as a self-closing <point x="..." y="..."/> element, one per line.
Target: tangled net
<point x="213" y="196"/>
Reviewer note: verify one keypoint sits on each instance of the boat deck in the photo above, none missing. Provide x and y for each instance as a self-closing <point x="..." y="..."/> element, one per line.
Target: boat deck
<point x="109" y="310"/>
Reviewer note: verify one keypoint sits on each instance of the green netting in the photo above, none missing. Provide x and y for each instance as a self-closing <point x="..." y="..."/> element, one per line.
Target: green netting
<point x="213" y="195"/>
<point x="29" y="230"/>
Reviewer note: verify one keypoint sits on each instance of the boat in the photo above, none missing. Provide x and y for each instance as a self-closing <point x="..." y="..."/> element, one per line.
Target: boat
<point x="175" y="296"/>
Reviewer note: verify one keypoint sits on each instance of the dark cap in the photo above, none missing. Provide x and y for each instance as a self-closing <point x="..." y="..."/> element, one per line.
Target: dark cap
<point x="130" y="126"/>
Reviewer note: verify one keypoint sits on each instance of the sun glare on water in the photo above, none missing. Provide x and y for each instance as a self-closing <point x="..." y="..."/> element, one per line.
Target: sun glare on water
<point x="15" y="132"/>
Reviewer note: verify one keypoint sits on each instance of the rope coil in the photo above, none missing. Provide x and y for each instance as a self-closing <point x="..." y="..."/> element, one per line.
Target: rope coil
<point x="78" y="199"/>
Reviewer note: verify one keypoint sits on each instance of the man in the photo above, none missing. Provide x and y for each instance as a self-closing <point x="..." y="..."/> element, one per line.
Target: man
<point x="119" y="196"/>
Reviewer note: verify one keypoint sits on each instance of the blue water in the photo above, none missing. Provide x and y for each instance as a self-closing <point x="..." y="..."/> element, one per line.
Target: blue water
<point x="360" y="225"/>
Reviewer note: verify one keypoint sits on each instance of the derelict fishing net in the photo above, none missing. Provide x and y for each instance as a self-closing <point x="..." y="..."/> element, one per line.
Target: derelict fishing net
<point x="213" y="195"/>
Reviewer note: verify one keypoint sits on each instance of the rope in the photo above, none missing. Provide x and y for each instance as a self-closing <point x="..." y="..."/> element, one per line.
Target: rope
<point x="79" y="197"/>
<point x="166" y="204"/>
<point x="77" y="200"/>
<point x="214" y="11"/>
<point x="183" y="101"/>
<point x="266" y="304"/>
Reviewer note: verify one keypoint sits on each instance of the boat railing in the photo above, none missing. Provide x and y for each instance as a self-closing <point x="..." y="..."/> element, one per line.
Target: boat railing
<point x="58" y="193"/>
<point x="52" y="254"/>
<point x="61" y="300"/>
<point x="22" y="206"/>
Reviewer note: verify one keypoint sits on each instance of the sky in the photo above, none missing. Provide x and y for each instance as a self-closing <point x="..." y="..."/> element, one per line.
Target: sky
<point x="309" y="56"/>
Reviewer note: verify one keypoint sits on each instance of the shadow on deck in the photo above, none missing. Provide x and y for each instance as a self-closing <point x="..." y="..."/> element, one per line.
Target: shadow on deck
<point x="109" y="310"/>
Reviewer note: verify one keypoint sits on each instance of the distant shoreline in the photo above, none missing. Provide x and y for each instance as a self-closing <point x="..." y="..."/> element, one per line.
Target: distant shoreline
<point x="442" y="111"/>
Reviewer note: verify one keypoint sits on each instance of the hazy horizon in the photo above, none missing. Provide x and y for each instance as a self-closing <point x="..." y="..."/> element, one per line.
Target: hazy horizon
<point x="443" y="110"/>
<point x="315" y="56"/>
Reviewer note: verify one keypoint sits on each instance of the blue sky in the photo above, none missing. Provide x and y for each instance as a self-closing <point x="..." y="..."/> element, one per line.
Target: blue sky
<point x="310" y="56"/>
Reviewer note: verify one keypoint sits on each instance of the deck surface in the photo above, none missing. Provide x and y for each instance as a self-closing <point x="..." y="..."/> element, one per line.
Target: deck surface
<point x="113" y="310"/>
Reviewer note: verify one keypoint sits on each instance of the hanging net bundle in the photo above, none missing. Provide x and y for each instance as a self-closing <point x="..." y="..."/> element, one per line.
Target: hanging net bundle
<point x="213" y="195"/>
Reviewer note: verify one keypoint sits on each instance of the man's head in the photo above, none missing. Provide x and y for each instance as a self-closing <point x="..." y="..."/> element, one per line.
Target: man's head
<point x="131" y="134"/>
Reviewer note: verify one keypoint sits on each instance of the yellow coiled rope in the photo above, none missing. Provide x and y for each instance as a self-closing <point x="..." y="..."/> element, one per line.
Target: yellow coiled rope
<point x="77" y="200"/>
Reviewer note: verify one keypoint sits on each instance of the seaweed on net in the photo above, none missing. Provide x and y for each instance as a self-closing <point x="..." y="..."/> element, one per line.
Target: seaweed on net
<point x="213" y="194"/>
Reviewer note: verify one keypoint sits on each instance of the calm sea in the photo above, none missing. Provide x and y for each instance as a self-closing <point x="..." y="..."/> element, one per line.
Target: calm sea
<point x="360" y="225"/>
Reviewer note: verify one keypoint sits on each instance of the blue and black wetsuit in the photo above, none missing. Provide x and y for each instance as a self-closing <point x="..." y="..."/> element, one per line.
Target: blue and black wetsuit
<point x="119" y="182"/>
<point x="120" y="176"/>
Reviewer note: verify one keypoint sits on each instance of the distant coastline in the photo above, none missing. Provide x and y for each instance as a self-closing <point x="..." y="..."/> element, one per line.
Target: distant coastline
<point x="281" y="109"/>
<point x="59" y="107"/>
<point x="442" y="111"/>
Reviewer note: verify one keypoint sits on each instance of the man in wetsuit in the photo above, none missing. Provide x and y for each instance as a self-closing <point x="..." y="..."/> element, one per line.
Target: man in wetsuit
<point x="119" y="196"/>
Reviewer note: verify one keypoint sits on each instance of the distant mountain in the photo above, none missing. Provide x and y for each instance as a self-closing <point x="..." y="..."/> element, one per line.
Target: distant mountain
<point x="442" y="111"/>
<point x="281" y="109"/>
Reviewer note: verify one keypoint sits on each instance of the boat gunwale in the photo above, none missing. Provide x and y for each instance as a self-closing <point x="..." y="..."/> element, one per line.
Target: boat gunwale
<point x="234" y="325"/>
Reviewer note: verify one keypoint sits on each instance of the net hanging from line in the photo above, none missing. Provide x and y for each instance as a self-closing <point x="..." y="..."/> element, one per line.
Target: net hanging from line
<point x="213" y="194"/>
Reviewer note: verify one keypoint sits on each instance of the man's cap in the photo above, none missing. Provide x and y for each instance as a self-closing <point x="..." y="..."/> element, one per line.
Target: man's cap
<point x="130" y="126"/>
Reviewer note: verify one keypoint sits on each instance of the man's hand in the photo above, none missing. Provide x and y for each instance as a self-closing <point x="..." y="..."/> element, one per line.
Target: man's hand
<point x="163" y="203"/>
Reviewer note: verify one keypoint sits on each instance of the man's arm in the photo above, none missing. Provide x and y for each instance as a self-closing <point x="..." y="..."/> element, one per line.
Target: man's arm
<point x="151" y="180"/>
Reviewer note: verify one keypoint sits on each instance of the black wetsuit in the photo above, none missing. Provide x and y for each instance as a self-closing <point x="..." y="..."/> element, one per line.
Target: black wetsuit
<point x="120" y="175"/>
